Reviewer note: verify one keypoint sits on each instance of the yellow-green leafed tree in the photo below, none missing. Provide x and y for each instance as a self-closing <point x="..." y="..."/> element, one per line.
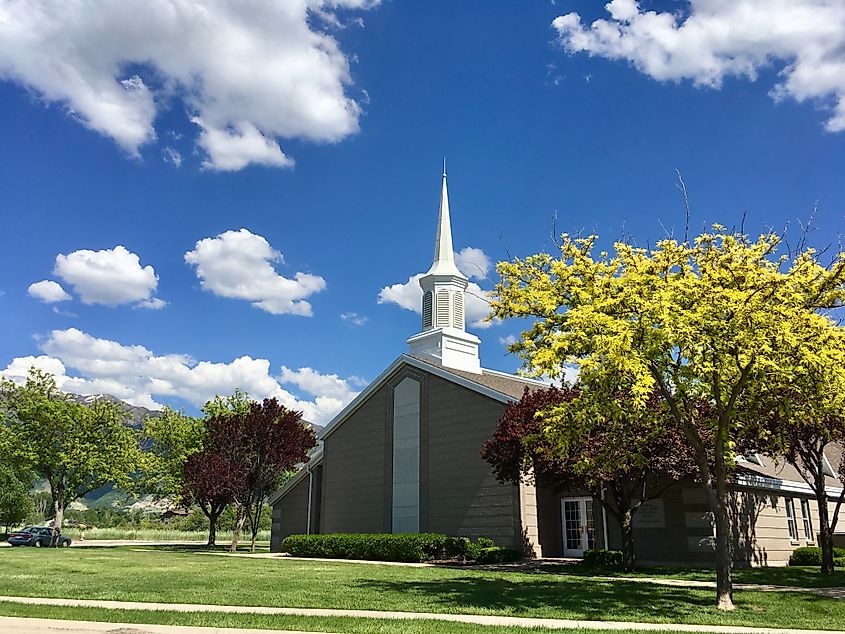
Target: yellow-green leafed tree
<point x="718" y="326"/>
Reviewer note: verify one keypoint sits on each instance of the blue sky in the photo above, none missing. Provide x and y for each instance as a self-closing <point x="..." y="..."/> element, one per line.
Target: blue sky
<point x="533" y="119"/>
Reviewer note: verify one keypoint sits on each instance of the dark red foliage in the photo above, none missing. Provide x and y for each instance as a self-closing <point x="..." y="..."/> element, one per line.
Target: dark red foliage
<point x="518" y="447"/>
<point x="622" y="462"/>
<point x="244" y="457"/>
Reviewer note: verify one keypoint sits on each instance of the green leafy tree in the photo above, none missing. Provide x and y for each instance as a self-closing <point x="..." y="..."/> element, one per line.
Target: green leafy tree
<point x="171" y="438"/>
<point x="15" y="502"/>
<point x="76" y="448"/>
<point x="716" y="320"/>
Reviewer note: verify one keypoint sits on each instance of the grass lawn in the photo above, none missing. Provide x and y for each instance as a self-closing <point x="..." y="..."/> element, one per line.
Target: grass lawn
<point x="257" y="621"/>
<point x="189" y="577"/>
<point x="798" y="576"/>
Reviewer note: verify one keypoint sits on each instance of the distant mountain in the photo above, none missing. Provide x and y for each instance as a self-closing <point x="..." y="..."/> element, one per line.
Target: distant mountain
<point x="136" y="414"/>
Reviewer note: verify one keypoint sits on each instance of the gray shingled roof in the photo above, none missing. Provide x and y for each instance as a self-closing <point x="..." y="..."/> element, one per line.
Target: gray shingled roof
<point x="507" y="384"/>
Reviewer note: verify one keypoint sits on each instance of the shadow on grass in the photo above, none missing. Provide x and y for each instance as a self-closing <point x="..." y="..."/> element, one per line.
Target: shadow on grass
<point x="797" y="576"/>
<point x="612" y="601"/>
<point x="598" y="601"/>
<point x="203" y="548"/>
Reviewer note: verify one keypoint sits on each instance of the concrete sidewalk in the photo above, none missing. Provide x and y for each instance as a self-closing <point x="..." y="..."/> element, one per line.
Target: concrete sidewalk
<point x="476" y="619"/>
<point x="47" y="626"/>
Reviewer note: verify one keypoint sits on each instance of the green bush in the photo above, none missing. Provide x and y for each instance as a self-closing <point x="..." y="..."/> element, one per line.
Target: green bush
<point x="415" y="547"/>
<point x="812" y="556"/>
<point x="601" y="558"/>
<point x="496" y="555"/>
<point x="458" y="548"/>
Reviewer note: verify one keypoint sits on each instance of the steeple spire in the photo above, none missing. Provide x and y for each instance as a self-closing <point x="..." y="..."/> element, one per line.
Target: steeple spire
<point x="444" y="336"/>
<point x="444" y="253"/>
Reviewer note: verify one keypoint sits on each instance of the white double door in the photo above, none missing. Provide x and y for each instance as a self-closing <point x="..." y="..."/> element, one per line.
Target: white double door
<point x="577" y="522"/>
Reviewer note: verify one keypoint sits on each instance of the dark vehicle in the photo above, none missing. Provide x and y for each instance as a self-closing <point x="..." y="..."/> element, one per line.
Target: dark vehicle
<point x="38" y="536"/>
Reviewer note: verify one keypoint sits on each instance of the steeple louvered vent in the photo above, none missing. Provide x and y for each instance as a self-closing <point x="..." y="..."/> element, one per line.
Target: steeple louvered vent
<point x="459" y="311"/>
<point x="442" y="308"/>
<point x="426" y="317"/>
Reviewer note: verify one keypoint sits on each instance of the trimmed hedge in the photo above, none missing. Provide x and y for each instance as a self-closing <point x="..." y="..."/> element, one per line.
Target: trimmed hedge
<point x="496" y="555"/>
<point x="601" y="558"/>
<point x="411" y="547"/>
<point x="812" y="556"/>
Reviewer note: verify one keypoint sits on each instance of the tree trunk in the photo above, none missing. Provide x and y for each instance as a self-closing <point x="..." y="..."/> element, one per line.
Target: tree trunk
<point x="724" y="584"/>
<point x="58" y="520"/>
<point x="240" y="517"/>
<point x="212" y="529"/>
<point x="825" y="533"/>
<point x="628" y="555"/>
<point x="254" y="523"/>
<point x="718" y="496"/>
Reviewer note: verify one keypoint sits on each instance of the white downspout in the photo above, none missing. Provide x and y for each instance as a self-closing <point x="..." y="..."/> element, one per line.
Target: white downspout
<point x="604" y="520"/>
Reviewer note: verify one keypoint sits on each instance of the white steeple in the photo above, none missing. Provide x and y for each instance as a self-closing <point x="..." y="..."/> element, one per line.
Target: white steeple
<point x="444" y="253"/>
<point x="443" y="335"/>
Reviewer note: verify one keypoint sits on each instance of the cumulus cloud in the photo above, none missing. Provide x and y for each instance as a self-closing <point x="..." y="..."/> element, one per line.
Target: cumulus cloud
<point x="509" y="340"/>
<point x="247" y="73"/>
<point x="473" y="263"/>
<point x="109" y="277"/>
<point x="354" y="318"/>
<point x="48" y="292"/>
<point x="239" y="265"/>
<point x="713" y="39"/>
<point x="137" y="375"/>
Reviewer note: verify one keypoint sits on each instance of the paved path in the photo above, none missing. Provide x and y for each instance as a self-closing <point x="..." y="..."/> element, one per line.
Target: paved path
<point x="54" y="626"/>
<point x="477" y="619"/>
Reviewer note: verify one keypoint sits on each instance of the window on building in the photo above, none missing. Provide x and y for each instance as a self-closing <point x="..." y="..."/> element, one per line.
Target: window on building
<point x="790" y="519"/>
<point x="808" y="521"/>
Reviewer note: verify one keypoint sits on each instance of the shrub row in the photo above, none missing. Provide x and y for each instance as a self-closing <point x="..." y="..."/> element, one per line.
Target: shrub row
<point x="601" y="558"/>
<point x="412" y="547"/>
<point x="812" y="556"/>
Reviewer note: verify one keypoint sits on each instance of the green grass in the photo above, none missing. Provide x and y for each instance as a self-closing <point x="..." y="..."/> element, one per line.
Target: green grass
<point x="343" y="625"/>
<point x="797" y="576"/>
<point x="166" y="535"/>
<point x="188" y="577"/>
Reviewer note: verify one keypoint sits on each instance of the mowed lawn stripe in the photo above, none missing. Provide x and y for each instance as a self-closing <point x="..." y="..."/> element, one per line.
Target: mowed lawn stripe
<point x="344" y="625"/>
<point x="177" y="577"/>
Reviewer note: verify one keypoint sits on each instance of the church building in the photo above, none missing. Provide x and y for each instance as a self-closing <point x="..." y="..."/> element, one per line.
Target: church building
<point x="404" y="457"/>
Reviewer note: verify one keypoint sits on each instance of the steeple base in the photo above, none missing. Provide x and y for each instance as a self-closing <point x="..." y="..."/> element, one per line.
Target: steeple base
<point x="451" y="347"/>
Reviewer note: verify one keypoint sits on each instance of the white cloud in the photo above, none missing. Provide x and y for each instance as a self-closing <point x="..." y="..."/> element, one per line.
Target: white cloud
<point x="152" y="304"/>
<point x="714" y="39"/>
<point x="408" y="294"/>
<point x="509" y="340"/>
<point x="354" y="318"/>
<point x="138" y="376"/>
<point x="48" y="291"/>
<point x="239" y="265"/>
<point x="110" y="277"/>
<point x="473" y="263"/>
<point x="320" y="385"/>
<point x="171" y="155"/>
<point x="247" y="73"/>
